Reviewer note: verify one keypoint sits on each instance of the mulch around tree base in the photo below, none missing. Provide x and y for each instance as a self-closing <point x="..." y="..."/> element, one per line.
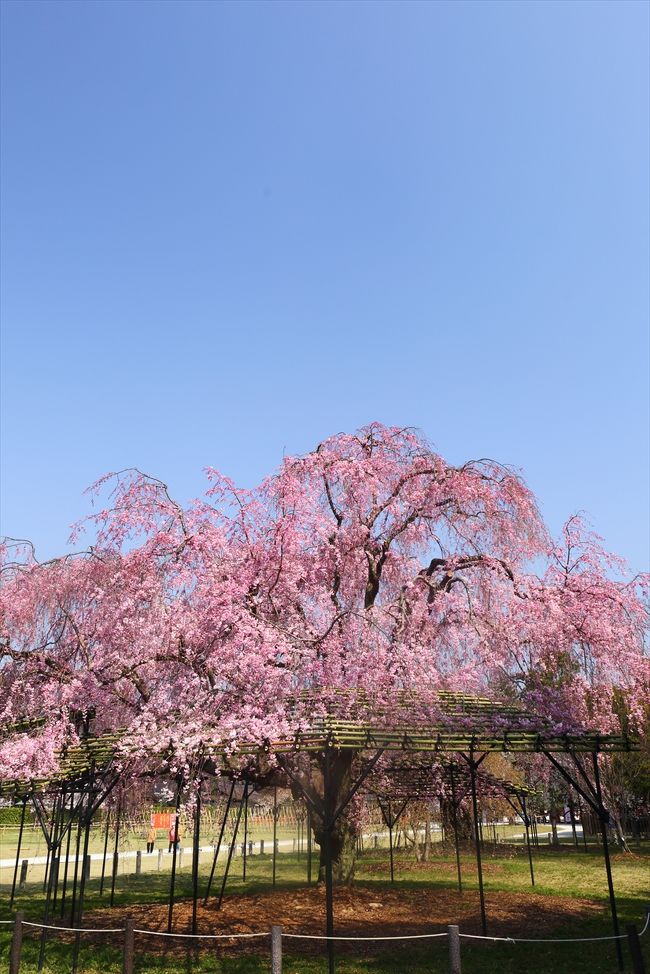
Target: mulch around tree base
<point x="362" y="910"/>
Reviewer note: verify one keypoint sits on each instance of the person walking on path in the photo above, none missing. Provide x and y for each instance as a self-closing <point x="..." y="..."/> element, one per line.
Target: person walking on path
<point x="173" y="834"/>
<point x="151" y="839"/>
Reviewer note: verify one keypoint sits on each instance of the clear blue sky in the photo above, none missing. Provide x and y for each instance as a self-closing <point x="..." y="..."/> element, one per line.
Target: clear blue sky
<point x="229" y="230"/>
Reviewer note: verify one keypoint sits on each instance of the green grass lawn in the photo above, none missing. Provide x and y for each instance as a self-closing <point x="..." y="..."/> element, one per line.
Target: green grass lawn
<point x="565" y="873"/>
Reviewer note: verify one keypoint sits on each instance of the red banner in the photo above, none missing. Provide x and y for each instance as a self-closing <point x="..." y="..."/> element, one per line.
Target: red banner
<point x="162" y="820"/>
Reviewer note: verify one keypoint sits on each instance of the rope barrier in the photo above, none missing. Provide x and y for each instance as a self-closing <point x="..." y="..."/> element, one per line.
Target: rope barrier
<point x="551" y="940"/>
<point x="202" y="936"/>
<point x="554" y="940"/>
<point x="45" y="926"/>
<point x="312" y="936"/>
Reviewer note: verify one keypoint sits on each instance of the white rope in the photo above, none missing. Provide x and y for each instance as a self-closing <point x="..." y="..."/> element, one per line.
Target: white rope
<point x="552" y="940"/>
<point x="45" y="926"/>
<point x="201" y="936"/>
<point x="312" y="936"/>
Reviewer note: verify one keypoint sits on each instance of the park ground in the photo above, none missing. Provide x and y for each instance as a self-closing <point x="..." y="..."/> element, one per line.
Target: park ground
<point x="569" y="900"/>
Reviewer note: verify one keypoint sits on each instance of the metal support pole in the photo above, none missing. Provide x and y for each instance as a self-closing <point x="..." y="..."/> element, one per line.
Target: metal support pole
<point x="522" y="799"/>
<point x="245" y="850"/>
<point x="572" y="816"/>
<point x="82" y="886"/>
<point x="218" y="846"/>
<point x="390" y="842"/>
<point x="604" y="818"/>
<point x="454" y="815"/>
<point x="638" y="965"/>
<point x="275" y="828"/>
<point x="75" y="875"/>
<point x="64" y="888"/>
<point x="195" y="856"/>
<point x="57" y="850"/>
<point x="583" y="823"/>
<point x="477" y="841"/>
<point x="328" y="823"/>
<point x="309" y="846"/>
<point x="118" y="819"/>
<point x="50" y="879"/>
<point x="20" y="840"/>
<point x="230" y="852"/>
<point x="48" y="840"/>
<point x="101" y="882"/>
<point x="172" y="882"/>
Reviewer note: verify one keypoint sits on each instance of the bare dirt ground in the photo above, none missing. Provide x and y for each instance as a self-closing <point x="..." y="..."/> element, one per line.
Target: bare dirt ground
<point x="364" y="911"/>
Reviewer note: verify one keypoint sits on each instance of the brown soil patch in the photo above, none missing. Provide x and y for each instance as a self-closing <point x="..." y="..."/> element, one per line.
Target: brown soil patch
<point x="365" y="911"/>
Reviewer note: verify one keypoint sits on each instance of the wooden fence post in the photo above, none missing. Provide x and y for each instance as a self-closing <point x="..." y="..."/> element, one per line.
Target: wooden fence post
<point x="454" y="950"/>
<point x="160" y="855"/>
<point x="638" y="965"/>
<point x="138" y="863"/>
<point x="16" y="943"/>
<point x="24" y="866"/>
<point x="129" y="947"/>
<point x="276" y="950"/>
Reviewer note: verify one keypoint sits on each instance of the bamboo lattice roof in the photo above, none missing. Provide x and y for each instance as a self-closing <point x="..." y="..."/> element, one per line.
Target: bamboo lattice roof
<point x="461" y="724"/>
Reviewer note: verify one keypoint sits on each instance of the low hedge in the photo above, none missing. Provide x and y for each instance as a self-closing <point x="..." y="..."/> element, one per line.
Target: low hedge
<point x="11" y="816"/>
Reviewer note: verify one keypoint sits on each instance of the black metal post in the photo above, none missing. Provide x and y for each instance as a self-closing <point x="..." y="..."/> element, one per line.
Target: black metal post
<point x="328" y="823"/>
<point x="48" y="840"/>
<point x="82" y="885"/>
<point x="572" y="816"/>
<point x="20" y="841"/>
<point x="583" y="824"/>
<point x="118" y="820"/>
<point x="526" y="824"/>
<point x="56" y="860"/>
<point x="195" y="856"/>
<point x="232" y="848"/>
<point x="309" y="846"/>
<point x="477" y="842"/>
<point x="101" y="882"/>
<point x="245" y="851"/>
<point x="67" y="854"/>
<point x="50" y="879"/>
<point x="275" y="828"/>
<point x="75" y="874"/>
<point x="454" y="811"/>
<point x="390" y="842"/>
<point x="604" y="818"/>
<point x="218" y="846"/>
<point x="172" y="882"/>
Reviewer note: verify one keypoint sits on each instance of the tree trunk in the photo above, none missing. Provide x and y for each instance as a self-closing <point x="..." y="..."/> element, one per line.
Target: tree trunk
<point x="427" y="837"/>
<point x="344" y="833"/>
<point x="463" y="822"/>
<point x="343" y="840"/>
